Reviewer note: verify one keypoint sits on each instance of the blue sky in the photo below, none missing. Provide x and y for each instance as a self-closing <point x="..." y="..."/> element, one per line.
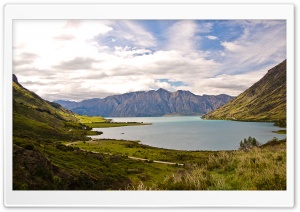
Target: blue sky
<point x="81" y="59"/>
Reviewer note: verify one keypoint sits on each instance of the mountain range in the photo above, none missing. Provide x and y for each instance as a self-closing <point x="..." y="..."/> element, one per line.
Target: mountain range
<point x="148" y="103"/>
<point x="263" y="101"/>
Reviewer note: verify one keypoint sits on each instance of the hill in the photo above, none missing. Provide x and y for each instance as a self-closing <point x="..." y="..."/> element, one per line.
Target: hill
<point x="263" y="101"/>
<point x="151" y="103"/>
<point x="42" y="162"/>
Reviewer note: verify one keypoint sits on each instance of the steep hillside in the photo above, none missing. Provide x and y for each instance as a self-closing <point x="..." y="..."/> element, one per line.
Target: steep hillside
<point x="36" y="117"/>
<point x="263" y="101"/>
<point x="151" y="103"/>
<point x="42" y="162"/>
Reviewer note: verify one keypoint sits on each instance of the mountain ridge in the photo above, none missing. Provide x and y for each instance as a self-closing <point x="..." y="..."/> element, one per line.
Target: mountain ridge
<point x="148" y="103"/>
<point x="265" y="100"/>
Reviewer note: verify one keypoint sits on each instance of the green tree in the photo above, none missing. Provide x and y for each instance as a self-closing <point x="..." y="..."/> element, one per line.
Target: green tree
<point x="248" y="144"/>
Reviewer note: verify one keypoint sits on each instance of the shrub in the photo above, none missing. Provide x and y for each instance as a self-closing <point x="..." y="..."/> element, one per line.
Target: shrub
<point x="248" y="144"/>
<point x="29" y="146"/>
<point x="280" y="123"/>
<point x="57" y="182"/>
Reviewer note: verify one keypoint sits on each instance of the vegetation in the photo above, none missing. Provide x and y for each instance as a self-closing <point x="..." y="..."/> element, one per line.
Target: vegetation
<point x="280" y="131"/>
<point x="113" y="124"/>
<point x="263" y="101"/>
<point x="280" y="123"/>
<point x="261" y="168"/>
<point x="100" y="122"/>
<point x="52" y="152"/>
<point x="248" y="144"/>
<point x="90" y="119"/>
<point x="135" y="149"/>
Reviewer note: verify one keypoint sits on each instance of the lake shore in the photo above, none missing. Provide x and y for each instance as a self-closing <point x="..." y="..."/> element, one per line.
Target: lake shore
<point x="189" y="132"/>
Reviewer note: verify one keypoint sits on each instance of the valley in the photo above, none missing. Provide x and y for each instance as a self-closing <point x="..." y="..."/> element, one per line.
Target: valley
<point x="52" y="148"/>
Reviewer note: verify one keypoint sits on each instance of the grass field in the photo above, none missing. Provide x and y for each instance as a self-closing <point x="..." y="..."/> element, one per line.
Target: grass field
<point x="135" y="149"/>
<point x="100" y="122"/>
<point x="262" y="168"/>
<point x="280" y="131"/>
<point x="90" y="119"/>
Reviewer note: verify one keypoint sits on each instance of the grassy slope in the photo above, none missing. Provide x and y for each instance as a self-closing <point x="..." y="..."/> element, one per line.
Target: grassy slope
<point x="264" y="101"/>
<point x="38" y="119"/>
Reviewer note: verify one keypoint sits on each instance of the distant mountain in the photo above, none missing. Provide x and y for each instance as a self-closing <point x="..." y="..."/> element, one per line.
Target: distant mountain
<point x="151" y="103"/>
<point x="263" y="101"/>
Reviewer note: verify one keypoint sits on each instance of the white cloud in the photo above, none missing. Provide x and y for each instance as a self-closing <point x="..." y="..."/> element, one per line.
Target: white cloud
<point x="205" y="27"/>
<point x="181" y="36"/>
<point x="87" y="59"/>
<point x="231" y="46"/>
<point x="132" y="33"/>
<point x="262" y="44"/>
<point x="212" y="37"/>
<point x="228" y="84"/>
<point x="130" y="52"/>
<point x="41" y="38"/>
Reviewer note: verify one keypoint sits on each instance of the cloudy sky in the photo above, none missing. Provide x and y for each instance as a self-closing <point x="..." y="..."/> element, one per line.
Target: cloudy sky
<point x="82" y="59"/>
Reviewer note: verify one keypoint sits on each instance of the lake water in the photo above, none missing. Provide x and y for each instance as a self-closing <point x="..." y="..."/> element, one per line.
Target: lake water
<point x="190" y="132"/>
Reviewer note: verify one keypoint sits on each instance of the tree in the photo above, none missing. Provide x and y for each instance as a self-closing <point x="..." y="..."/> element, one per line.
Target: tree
<point x="248" y="144"/>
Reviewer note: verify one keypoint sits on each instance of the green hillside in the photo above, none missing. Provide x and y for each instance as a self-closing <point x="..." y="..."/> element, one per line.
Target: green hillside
<point x="40" y="161"/>
<point x="39" y="119"/>
<point x="263" y="101"/>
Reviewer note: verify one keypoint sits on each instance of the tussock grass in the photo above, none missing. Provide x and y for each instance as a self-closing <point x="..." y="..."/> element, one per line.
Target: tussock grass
<point x="258" y="169"/>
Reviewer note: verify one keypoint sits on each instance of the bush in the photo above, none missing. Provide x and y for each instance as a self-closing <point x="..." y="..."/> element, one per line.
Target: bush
<point x="64" y="147"/>
<point x="280" y="123"/>
<point x="248" y="144"/>
<point x="29" y="147"/>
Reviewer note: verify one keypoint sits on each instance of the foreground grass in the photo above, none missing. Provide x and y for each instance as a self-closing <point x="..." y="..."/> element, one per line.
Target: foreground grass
<point x="114" y="167"/>
<point x="135" y="149"/>
<point x="262" y="168"/>
<point x="259" y="169"/>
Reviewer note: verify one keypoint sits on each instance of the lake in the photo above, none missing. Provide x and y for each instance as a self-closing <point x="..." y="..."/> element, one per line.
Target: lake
<point x="190" y="132"/>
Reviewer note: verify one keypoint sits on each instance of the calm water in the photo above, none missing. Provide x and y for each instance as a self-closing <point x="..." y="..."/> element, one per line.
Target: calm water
<point x="190" y="133"/>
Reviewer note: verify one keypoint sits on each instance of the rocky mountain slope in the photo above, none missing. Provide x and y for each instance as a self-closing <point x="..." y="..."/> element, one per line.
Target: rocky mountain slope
<point x="263" y="101"/>
<point x="150" y="103"/>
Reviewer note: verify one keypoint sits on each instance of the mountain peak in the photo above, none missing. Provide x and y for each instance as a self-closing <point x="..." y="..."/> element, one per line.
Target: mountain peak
<point x="15" y="79"/>
<point x="183" y="92"/>
<point x="160" y="90"/>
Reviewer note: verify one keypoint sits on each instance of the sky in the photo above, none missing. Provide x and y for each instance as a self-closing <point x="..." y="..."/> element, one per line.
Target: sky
<point x="83" y="59"/>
